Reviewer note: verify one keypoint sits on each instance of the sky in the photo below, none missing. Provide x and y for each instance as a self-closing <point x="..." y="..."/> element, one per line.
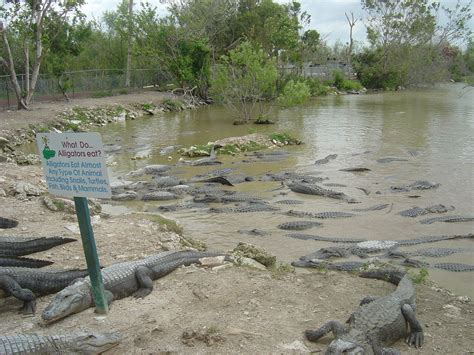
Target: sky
<point x="327" y="16"/>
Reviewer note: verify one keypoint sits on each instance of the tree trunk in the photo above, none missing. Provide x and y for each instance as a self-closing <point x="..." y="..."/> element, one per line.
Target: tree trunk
<point x="129" y="49"/>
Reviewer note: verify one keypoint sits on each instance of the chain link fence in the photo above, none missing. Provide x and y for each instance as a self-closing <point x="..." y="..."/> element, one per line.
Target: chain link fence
<point x="84" y="83"/>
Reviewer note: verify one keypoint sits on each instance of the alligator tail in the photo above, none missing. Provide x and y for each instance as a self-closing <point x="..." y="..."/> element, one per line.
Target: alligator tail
<point x="390" y="275"/>
<point x="7" y="223"/>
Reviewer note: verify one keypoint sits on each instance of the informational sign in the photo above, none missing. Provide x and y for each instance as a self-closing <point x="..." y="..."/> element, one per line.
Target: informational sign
<point x="74" y="164"/>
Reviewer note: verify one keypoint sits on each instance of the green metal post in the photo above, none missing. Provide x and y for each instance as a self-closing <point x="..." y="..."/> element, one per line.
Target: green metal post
<point x="90" y="251"/>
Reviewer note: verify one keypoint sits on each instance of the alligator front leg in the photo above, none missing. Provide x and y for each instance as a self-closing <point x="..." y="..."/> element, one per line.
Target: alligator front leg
<point x="332" y="326"/>
<point x="416" y="331"/>
<point x="13" y="288"/>
<point x="145" y="282"/>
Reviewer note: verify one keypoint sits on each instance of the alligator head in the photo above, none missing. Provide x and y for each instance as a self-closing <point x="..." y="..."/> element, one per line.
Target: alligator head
<point x="344" y="346"/>
<point x="73" y="299"/>
<point x="93" y="343"/>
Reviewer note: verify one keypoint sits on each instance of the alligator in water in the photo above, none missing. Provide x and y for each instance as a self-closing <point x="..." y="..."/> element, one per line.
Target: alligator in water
<point x="334" y="184"/>
<point x="372" y="208"/>
<point x="76" y="343"/>
<point x="326" y="160"/>
<point x="298" y="225"/>
<point x="430" y="252"/>
<point x="7" y="223"/>
<point x="453" y="267"/>
<point x="23" y="262"/>
<point x="419" y="211"/>
<point x="289" y="202"/>
<point x="355" y="170"/>
<point x="321" y="215"/>
<point x="245" y="209"/>
<point x="18" y="246"/>
<point x="417" y="185"/>
<point x="121" y="280"/>
<point x="378" y="322"/>
<point x="159" y="196"/>
<point x="25" y="283"/>
<point x="390" y="160"/>
<point x="325" y="239"/>
<point x="313" y="189"/>
<point x="448" y="219"/>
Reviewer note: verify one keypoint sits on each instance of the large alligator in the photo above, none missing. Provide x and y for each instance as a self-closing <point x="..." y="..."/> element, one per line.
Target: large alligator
<point x="18" y="246"/>
<point x="326" y="160"/>
<point x="430" y="252"/>
<point x="419" y="211"/>
<point x="325" y="239"/>
<point x="378" y="322"/>
<point x="298" y="225"/>
<point x="24" y="283"/>
<point x="258" y="207"/>
<point x="313" y="189"/>
<point x="417" y="185"/>
<point x="449" y="219"/>
<point x="121" y="280"/>
<point x="321" y="215"/>
<point x="453" y="267"/>
<point x="76" y="343"/>
<point x="7" y="223"/>
<point x="23" y="262"/>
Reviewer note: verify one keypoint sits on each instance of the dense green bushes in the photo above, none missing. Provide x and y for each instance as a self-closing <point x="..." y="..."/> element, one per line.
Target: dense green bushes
<point x="294" y="93"/>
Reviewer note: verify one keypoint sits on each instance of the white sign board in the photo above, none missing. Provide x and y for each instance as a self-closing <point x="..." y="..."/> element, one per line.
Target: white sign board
<point x="74" y="164"/>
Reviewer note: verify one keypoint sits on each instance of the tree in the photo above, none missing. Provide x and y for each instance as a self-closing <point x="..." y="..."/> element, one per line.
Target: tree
<point x="407" y="39"/>
<point x="28" y="23"/>
<point x="352" y="22"/>
<point x="244" y="78"/>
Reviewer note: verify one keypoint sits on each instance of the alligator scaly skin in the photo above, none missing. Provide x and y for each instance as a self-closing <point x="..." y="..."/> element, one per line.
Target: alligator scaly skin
<point x="121" y="280"/>
<point x="449" y="219"/>
<point x="298" y="225"/>
<point x="18" y="246"/>
<point x="377" y="322"/>
<point x="372" y="208"/>
<point x="321" y="215"/>
<point x="313" y="189"/>
<point x="78" y="343"/>
<point x="23" y="262"/>
<point x="325" y="239"/>
<point x="25" y="283"/>
<point x="245" y="209"/>
<point x="326" y="160"/>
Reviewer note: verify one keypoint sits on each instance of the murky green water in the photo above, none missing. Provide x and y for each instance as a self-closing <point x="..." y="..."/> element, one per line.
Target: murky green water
<point x="432" y="129"/>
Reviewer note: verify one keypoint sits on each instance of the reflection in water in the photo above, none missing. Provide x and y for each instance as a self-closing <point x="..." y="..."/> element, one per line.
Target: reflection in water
<point x="431" y="129"/>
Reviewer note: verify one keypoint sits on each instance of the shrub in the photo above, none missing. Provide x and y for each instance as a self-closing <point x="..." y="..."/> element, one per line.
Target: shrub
<point x="294" y="93"/>
<point x="316" y="87"/>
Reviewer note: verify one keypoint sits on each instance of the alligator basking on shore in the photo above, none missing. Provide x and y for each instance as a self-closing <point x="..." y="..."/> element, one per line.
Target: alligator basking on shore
<point x="23" y="262"/>
<point x="121" y="280"/>
<point x="378" y="322"/>
<point x="77" y="343"/>
<point x="313" y="189"/>
<point x="18" y="246"/>
<point x="7" y="223"/>
<point x="24" y="283"/>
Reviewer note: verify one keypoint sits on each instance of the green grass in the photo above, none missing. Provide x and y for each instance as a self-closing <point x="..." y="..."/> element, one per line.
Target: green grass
<point x="421" y="277"/>
<point x="284" y="138"/>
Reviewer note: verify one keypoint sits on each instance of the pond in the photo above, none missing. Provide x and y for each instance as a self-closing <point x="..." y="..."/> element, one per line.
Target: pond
<point x="429" y="131"/>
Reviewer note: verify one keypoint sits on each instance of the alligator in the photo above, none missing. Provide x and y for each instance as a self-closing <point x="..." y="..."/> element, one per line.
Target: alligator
<point x="298" y="225"/>
<point x="24" y="283"/>
<point x="287" y="176"/>
<point x="378" y="321"/>
<point x="355" y="170"/>
<point x="18" y="246"/>
<point x="7" y="223"/>
<point x="432" y="239"/>
<point x="253" y="232"/>
<point x="181" y="206"/>
<point x="417" y="185"/>
<point x="453" y="267"/>
<point x="150" y="170"/>
<point x="449" y="219"/>
<point x="325" y="239"/>
<point x="245" y="209"/>
<point x="321" y="215"/>
<point x="289" y="202"/>
<point x="419" y="211"/>
<point x="313" y="189"/>
<point x="76" y="343"/>
<point x="125" y="196"/>
<point x="372" y="208"/>
<point x="326" y="159"/>
<point x="159" y="196"/>
<point x="430" y="252"/>
<point x="390" y="160"/>
<point x="121" y="280"/>
<point x="334" y="184"/>
<point x="23" y="262"/>
<point x="318" y="263"/>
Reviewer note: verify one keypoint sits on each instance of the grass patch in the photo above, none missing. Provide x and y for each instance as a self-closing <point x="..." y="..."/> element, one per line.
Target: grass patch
<point x="229" y="149"/>
<point x="100" y="94"/>
<point x="173" y="105"/>
<point x="167" y="224"/>
<point x="281" y="269"/>
<point x="284" y="138"/>
<point x="251" y="147"/>
<point x="421" y="276"/>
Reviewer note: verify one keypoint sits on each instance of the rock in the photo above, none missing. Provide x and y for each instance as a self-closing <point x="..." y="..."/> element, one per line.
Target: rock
<point x="297" y="345"/>
<point x="212" y="261"/>
<point x="464" y="299"/>
<point x="4" y="142"/>
<point x="48" y="202"/>
<point x="125" y="196"/>
<point x="452" y="311"/>
<point x="259" y="255"/>
<point x="24" y="189"/>
<point x="244" y="261"/>
<point x="159" y="196"/>
<point x="156" y="169"/>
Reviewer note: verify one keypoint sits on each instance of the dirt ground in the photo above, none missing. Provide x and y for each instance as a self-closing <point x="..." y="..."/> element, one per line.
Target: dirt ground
<point x="196" y="310"/>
